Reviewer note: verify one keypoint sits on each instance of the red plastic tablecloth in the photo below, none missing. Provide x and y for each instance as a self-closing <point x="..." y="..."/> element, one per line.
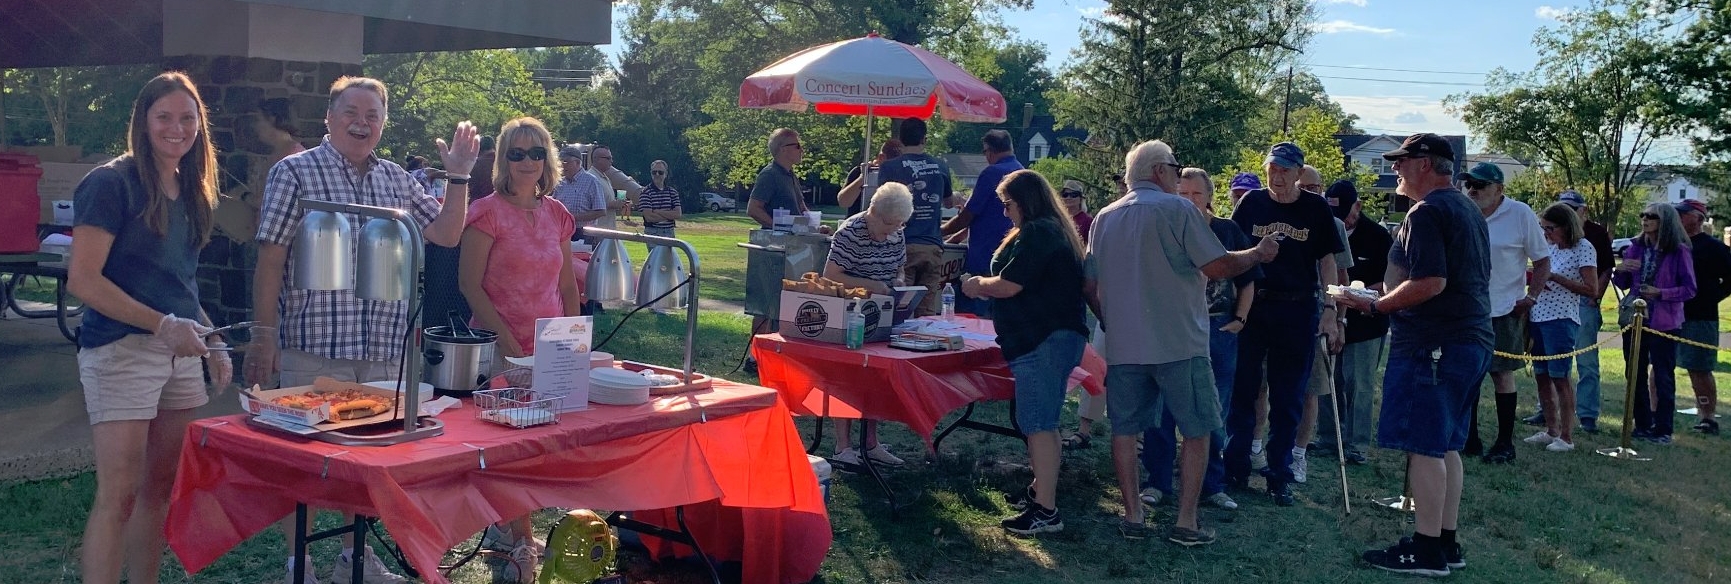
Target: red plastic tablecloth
<point x="884" y="383"/>
<point x="765" y="507"/>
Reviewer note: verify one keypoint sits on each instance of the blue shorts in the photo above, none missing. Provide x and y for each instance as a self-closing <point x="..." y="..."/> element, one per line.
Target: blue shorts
<point x="1427" y="405"/>
<point x="1042" y="375"/>
<point x="1553" y="337"/>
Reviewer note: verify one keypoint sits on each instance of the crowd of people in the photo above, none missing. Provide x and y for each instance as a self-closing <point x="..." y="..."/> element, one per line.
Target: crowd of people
<point x="1214" y="323"/>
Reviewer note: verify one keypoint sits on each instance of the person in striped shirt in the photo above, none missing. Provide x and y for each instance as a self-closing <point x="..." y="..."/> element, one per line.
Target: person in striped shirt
<point x="868" y="251"/>
<point x="658" y="203"/>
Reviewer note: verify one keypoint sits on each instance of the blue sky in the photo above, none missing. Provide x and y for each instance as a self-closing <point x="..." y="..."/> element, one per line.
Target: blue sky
<point x="1357" y="38"/>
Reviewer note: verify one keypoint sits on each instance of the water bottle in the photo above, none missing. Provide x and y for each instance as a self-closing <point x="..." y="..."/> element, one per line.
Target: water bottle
<point x="949" y="301"/>
<point x="855" y="326"/>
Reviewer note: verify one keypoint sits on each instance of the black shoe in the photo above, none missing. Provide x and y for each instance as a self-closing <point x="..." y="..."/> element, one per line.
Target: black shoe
<point x="1660" y="439"/>
<point x="1474" y="446"/>
<point x="1355" y="457"/>
<point x="1534" y="420"/>
<point x="1707" y="427"/>
<point x="1590" y="425"/>
<point x="1500" y="454"/>
<point x="1281" y="493"/>
<point x="1453" y="555"/>
<point x="1034" y="520"/>
<point x="1407" y="557"/>
<point x="1641" y="434"/>
<point x="1241" y="484"/>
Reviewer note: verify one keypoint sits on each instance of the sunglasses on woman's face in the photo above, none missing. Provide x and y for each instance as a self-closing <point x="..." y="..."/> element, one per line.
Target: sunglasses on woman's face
<point x="1653" y="216"/>
<point x="518" y="154"/>
<point x="1069" y="194"/>
<point x="658" y="172"/>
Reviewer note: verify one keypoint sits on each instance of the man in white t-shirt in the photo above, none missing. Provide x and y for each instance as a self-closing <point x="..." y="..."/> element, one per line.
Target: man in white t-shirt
<point x="1516" y="242"/>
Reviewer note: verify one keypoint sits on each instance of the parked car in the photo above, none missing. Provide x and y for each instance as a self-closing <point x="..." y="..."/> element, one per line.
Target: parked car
<point x="716" y="202"/>
<point x="1620" y="244"/>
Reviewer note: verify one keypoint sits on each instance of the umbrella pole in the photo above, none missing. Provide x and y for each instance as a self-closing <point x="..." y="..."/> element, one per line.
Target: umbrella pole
<point x="865" y="159"/>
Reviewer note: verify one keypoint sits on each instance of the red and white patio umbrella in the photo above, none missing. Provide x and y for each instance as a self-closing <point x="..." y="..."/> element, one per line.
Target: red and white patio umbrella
<point x="873" y="76"/>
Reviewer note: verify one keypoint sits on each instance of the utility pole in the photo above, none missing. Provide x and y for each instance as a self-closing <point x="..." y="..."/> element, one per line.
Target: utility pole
<point x="1286" y="105"/>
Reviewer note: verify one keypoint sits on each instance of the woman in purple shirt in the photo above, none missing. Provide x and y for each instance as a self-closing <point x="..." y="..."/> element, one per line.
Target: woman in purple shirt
<point x="1657" y="267"/>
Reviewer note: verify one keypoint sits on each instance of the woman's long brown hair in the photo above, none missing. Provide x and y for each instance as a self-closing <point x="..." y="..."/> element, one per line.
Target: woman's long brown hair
<point x="197" y="167"/>
<point x="1034" y="195"/>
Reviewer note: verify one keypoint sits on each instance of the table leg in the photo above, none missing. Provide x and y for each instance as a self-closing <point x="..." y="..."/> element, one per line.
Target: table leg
<point x="1014" y="430"/>
<point x="870" y="468"/>
<point x="300" y="542"/>
<point x="357" y="557"/>
<point x="817" y="435"/>
<point x="620" y="520"/>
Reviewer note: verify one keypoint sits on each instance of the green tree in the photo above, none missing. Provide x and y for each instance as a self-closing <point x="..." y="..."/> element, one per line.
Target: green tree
<point x="1154" y="69"/>
<point x="1588" y="112"/>
<point x="72" y="106"/>
<point x="1314" y="131"/>
<point x="1691" y="59"/>
<point x="431" y="92"/>
<point x="1019" y="73"/>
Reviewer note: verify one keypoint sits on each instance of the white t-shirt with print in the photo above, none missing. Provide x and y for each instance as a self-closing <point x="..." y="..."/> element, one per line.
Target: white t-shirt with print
<point x="1556" y="302"/>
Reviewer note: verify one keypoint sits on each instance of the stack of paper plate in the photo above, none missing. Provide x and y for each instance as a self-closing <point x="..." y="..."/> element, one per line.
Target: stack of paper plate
<point x="618" y="387"/>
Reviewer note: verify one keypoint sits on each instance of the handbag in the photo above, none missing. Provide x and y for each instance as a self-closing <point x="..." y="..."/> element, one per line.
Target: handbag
<point x="1626" y="308"/>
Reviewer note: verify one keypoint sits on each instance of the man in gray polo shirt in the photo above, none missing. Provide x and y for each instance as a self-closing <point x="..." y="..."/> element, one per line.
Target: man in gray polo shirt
<point x="1150" y="256"/>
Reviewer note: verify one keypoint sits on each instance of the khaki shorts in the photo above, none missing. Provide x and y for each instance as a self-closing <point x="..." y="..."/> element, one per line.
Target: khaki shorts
<point x="136" y="376"/>
<point x="1322" y="369"/>
<point x="925" y="267"/>
<point x="1511" y="331"/>
<point x="300" y="368"/>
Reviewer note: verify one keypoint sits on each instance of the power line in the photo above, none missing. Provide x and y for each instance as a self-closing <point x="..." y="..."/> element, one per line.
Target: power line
<point x="1401" y="70"/>
<point x="1455" y="83"/>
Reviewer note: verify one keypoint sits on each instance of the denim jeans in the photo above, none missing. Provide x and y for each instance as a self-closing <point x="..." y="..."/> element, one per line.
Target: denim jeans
<point x="1160" y="445"/>
<point x="1587" y="389"/>
<point x="1282" y="334"/>
<point x="1042" y="375"/>
<point x="1660" y="353"/>
<point x="1355" y="384"/>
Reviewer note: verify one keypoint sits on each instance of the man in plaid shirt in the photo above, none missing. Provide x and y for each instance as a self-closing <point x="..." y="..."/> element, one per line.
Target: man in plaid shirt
<point x="309" y="333"/>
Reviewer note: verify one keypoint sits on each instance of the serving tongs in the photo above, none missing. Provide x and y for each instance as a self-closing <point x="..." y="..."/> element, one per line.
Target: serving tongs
<point x="243" y="325"/>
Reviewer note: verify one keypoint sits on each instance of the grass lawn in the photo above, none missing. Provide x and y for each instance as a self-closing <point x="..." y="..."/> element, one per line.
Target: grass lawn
<point x="1573" y="517"/>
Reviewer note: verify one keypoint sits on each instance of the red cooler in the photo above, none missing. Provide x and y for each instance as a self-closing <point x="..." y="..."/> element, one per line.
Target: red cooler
<point x="20" y="207"/>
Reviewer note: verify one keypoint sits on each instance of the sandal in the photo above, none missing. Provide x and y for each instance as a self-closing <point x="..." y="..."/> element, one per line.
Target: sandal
<point x="1077" y="440"/>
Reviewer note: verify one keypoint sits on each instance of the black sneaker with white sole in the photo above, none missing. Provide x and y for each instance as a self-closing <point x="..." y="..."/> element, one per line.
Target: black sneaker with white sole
<point x="1034" y="520"/>
<point x="1453" y="555"/>
<point x="1407" y="557"/>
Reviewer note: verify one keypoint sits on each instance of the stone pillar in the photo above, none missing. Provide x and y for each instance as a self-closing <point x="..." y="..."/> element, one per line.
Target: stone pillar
<point x="260" y="110"/>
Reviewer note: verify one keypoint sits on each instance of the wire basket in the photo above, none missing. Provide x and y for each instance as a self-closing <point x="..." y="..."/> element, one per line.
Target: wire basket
<point x="517" y="407"/>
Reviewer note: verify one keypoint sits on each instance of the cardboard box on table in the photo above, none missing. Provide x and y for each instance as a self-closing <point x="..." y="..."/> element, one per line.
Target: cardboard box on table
<point x="824" y="318"/>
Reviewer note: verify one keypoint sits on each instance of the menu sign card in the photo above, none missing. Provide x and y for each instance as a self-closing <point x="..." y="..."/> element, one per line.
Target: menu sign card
<point x="562" y="359"/>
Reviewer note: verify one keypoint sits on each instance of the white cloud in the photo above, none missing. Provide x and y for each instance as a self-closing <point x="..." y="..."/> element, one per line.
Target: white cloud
<point x="1358" y="3"/>
<point x="1552" y="12"/>
<point x="1400" y="115"/>
<point x="1339" y="26"/>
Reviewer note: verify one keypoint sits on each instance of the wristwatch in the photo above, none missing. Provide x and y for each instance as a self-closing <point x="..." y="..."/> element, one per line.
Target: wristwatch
<point x="1238" y="319"/>
<point x="1373" y="309"/>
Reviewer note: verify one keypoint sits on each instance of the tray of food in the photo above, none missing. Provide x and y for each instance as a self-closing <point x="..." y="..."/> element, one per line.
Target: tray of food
<point x="812" y="283"/>
<point x="327" y="404"/>
<point x="666" y="380"/>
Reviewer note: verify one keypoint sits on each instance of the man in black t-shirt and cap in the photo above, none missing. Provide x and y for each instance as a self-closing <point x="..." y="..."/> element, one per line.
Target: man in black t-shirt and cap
<point x="1355" y="377"/>
<point x="1440" y="314"/>
<point x="1285" y="318"/>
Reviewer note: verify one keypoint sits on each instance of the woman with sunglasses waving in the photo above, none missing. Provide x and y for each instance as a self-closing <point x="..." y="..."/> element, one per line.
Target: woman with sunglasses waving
<point x="1657" y="267"/>
<point x="658" y="203"/>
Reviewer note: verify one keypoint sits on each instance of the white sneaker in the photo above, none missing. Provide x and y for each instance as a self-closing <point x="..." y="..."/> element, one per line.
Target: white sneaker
<point x="847" y="455"/>
<point x="310" y="577"/>
<point x="1222" y="500"/>
<point x="1540" y="437"/>
<point x="881" y="455"/>
<point x="374" y="571"/>
<point x="1560" y="445"/>
<point x="525" y="560"/>
<point x="505" y="540"/>
<point x="1300" y="465"/>
<point x="1151" y="496"/>
<point x="1258" y="455"/>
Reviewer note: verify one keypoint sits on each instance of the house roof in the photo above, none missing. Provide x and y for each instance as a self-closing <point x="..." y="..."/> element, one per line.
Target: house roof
<point x="965" y="165"/>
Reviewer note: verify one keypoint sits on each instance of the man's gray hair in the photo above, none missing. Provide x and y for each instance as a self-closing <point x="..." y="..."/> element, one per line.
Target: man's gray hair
<point x="1142" y="160"/>
<point x="892" y="201"/>
<point x="781" y="137"/>
<point x="1441" y="165"/>
<point x="1198" y="174"/>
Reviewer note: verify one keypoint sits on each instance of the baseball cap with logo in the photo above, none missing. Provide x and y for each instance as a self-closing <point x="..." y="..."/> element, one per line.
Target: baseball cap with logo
<point x="1483" y="171"/>
<point x="1687" y="206"/>
<point x="1340" y="196"/>
<point x="1286" y="155"/>
<point x="1422" y="144"/>
<point x="1572" y="199"/>
<point x="1247" y="181"/>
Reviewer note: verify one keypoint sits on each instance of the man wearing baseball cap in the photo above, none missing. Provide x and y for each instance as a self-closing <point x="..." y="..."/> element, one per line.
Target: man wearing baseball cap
<point x="1587" y="363"/>
<point x="1356" y="370"/>
<point x="1440" y="345"/>
<point x="1517" y="241"/>
<point x="1243" y="182"/>
<point x="1701" y="313"/>
<point x="1284" y="320"/>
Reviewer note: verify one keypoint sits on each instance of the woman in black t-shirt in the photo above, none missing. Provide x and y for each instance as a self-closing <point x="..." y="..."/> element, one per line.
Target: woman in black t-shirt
<point x="1036" y="282"/>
